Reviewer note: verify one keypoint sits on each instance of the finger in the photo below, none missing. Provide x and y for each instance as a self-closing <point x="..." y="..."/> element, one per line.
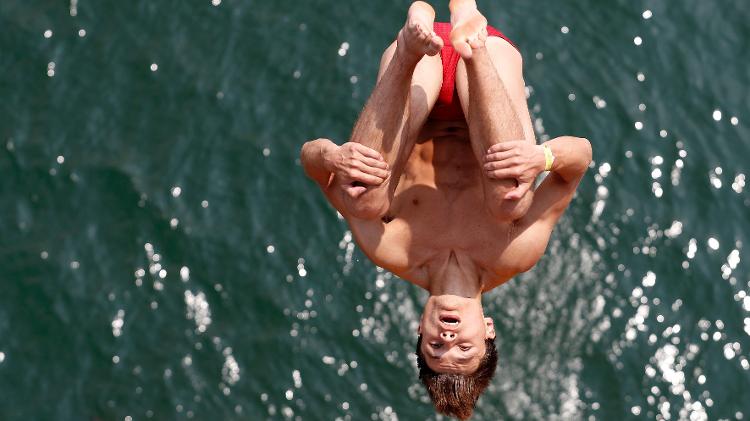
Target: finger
<point x="377" y="172"/>
<point x="479" y="40"/>
<point x="362" y="177"/>
<point x="503" y="146"/>
<point x="499" y="165"/>
<point x="503" y="173"/>
<point x="500" y="147"/>
<point x="463" y="48"/>
<point x="364" y="168"/>
<point x="499" y="156"/>
<point x="518" y="192"/>
<point x="369" y="152"/>
<point x="372" y="162"/>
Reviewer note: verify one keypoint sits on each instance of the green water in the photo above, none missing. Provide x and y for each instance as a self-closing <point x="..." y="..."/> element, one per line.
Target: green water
<point x="242" y="296"/>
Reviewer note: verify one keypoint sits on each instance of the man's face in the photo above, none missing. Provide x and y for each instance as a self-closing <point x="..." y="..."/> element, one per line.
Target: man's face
<point x="453" y="332"/>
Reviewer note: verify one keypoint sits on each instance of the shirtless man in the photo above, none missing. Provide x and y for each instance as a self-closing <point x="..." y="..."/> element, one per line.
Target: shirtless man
<point x="448" y="203"/>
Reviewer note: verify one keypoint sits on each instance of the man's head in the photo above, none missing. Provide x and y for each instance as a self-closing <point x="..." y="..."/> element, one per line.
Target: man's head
<point x="456" y="394"/>
<point x="456" y="353"/>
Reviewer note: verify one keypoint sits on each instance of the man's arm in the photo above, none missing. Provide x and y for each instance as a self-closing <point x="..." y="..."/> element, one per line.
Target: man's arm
<point x="572" y="158"/>
<point x="408" y="85"/>
<point x="313" y="160"/>
<point x="518" y="159"/>
<point x="355" y="162"/>
<point x="515" y="158"/>
<point x="355" y="166"/>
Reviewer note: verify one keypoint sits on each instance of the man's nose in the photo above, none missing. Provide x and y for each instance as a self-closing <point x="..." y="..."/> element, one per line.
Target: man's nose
<point x="448" y="336"/>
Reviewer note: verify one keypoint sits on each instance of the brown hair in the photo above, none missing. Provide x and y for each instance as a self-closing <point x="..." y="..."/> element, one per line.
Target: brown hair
<point x="456" y="394"/>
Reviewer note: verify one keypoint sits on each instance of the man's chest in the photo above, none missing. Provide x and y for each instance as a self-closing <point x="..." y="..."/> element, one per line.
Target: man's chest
<point x="431" y="221"/>
<point x="426" y="224"/>
<point x="437" y="210"/>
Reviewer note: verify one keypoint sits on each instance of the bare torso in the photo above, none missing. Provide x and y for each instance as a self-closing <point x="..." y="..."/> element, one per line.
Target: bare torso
<point x="430" y="212"/>
<point x="437" y="225"/>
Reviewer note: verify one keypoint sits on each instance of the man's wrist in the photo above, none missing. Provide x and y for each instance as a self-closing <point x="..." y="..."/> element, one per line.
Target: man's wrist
<point x="549" y="157"/>
<point x="541" y="160"/>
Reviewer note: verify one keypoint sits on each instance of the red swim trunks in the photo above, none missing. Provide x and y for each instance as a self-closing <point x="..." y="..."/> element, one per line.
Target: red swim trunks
<point x="448" y="106"/>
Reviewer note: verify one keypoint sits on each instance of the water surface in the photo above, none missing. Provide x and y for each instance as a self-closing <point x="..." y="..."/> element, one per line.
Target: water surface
<point x="163" y="256"/>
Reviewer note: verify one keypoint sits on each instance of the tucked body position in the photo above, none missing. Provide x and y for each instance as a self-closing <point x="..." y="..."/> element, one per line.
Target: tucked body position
<point x="437" y="184"/>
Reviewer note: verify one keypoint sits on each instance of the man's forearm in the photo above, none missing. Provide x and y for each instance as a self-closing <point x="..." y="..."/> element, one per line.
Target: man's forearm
<point x="313" y="159"/>
<point x="572" y="156"/>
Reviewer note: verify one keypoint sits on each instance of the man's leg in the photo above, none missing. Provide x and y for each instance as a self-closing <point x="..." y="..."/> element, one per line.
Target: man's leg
<point x="491" y="88"/>
<point x="408" y="86"/>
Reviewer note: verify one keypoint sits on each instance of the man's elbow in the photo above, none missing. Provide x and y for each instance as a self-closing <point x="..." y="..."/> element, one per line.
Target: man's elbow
<point x="311" y="171"/>
<point x="312" y="160"/>
<point x="584" y="155"/>
<point x="308" y="150"/>
<point x="305" y="154"/>
<point x="587" y="151"/>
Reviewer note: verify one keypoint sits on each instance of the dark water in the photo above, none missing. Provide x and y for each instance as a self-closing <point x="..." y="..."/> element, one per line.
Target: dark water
<point x="162" y="255"/>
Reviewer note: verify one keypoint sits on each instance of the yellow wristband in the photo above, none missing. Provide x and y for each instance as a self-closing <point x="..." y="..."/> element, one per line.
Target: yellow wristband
<point x="549" y="158"/>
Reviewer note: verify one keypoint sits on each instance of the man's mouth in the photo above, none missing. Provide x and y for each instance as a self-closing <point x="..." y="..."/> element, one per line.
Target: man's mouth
<point x="450" y="319"/>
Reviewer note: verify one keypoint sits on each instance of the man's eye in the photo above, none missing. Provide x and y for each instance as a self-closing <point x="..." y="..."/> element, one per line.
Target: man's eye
<point x="436" y="345"/>
<point x="465" y="348"/>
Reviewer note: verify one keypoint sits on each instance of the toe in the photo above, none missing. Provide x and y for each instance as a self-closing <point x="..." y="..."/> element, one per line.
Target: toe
<point x="424" y="32"/>
<point x="438" y="42"/>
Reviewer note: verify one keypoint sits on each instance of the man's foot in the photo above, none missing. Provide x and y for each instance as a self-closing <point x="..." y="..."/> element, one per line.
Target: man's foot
<point x="469" y="27"/>
<point x="417" y="37"/>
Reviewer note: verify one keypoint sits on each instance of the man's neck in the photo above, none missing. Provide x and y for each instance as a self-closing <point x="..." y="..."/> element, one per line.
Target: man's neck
<point x="455" y="279"/>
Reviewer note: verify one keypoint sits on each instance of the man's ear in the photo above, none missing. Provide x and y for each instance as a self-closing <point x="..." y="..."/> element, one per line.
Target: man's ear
<point x="419" y="329"/>
<point x="489" y="328"/>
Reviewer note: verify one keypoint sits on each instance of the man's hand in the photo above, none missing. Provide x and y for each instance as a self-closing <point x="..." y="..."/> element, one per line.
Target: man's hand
<point x="516" y="159"/>
<point x="357" y="166"/>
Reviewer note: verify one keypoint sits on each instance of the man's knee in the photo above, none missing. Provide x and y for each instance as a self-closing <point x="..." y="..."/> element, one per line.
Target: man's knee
<point x="505" y="210"/>
<point x="372" y="204"/>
